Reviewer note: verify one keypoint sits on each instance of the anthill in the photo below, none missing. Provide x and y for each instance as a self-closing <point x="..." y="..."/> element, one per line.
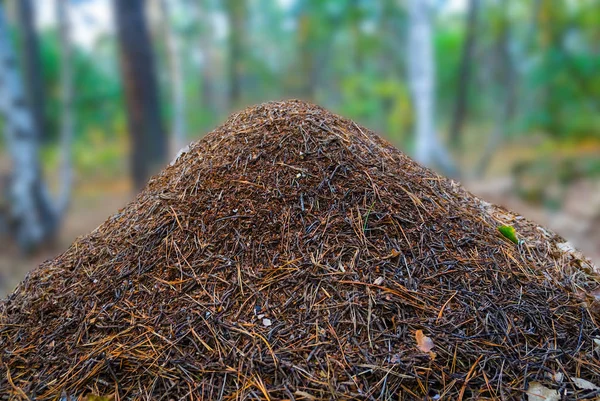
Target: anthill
<point x="292" y="254"/>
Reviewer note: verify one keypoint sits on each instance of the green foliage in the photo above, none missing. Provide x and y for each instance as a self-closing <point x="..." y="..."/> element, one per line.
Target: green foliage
<point x="381" y="103"/>
<point x="448" y="44"/>
<point x="352" y="54"/>
<point x="98" y="97"/>
<point x="567" y="74"/>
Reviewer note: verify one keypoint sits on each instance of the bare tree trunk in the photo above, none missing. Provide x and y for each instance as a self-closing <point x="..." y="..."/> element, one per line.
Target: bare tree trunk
<point x="31" y="213"/>
<point x="211" y="100"/>
<point x="33" y="65"/>
<point x="308" y="82"/>
<point x="421" y="72"/>
<point x="505" y="68"/>
<point x="148" y="140"/>
<point x="66" y="95"/>
<point x="355" y="22"/>
<point x="464" y="75"/>
<point x="177" y="92"/>
<point x="236" y="13"/>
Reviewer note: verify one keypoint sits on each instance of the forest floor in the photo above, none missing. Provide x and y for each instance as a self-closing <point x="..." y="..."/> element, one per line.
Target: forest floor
<point x="578" y="220"/>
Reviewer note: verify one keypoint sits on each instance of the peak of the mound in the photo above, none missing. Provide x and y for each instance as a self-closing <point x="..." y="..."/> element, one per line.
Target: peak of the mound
<point x="277" y="129"/>
<point x="294" y="254"/>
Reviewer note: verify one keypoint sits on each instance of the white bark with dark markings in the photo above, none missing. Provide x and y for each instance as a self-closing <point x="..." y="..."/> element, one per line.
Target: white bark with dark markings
<point x="30" y="210"/>
<point x="66" y="95"/>
<point x="421" y="75"/>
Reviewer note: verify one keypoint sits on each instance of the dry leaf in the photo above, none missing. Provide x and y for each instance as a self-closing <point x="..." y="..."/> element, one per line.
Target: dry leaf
<point x="378" y="281"/>
<point x="304" y="395"/>
<point x="424" y="343"/>
<point x="538" y="392"/>
<point x="394" y="253"/>
<point x="584" y="384"/>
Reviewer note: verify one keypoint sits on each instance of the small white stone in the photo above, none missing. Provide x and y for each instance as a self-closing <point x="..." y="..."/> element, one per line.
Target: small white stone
<point x="267" y="322"/>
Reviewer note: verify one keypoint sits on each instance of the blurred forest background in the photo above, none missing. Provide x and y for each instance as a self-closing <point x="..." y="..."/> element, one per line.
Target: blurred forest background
<point x="97" y="95"/>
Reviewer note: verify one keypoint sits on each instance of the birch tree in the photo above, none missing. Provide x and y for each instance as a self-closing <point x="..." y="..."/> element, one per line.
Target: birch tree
<point x="421" y="73"/>
<point x="30" y="210"/>
<point x="32" y="64"/>
<point x="66" y="96"/>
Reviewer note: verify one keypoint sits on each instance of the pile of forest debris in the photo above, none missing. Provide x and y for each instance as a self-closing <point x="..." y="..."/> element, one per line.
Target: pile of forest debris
<point x="293" y="254"/>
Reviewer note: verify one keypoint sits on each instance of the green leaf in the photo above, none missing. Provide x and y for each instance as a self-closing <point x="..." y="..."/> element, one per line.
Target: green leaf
<point x="509" y="232"/>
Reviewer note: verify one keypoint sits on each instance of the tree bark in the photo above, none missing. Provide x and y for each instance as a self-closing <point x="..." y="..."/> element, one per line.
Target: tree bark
<point x="31" y="213"/>
<point x="33" y="65"/>
<point x="421" y="72"/>
<point x="177" y="92"/>
<point x="464" y="75"/>
<point x="148" y="139"/>
<point x="308" y="82"/>
<point x="66" y="97"/>
<point x="506" y="71"/>
<point x="210" y="99"/>
<point x="236" y="14"/>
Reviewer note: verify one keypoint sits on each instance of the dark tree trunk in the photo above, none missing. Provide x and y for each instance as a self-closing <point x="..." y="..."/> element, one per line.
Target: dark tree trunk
<point x="355" y="22"/>
<point x="505" y="67"/>
<point x="148" y="140"/>
<point x="236" y="14"/>
<point x="32" y="64"/>
<point x="206" y="44"/>
<point x="307" y="61"/>
<point x="464" y="76"/>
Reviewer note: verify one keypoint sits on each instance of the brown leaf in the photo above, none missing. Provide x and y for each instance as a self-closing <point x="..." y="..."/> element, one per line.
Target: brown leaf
<point x="424" y="343"/>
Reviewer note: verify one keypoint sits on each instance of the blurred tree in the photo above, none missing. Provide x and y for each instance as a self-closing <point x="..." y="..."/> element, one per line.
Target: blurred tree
<point x="206" y="44"/>
<point x="66" y="96"/>
<point x="318" y="63"/>
<point x="356" y="17"/>
<point x="32" y="216"/>
<point x="566" y="77"/>
<point x="237" y="17"/>
<point x="306" y="51"/>
<point x="421" y="76"/>
<point x="464" y="74"/>
<point x="148" y="139"/>
<point x="178" y="130"/>
<point x="32" y="64"/>
<point x="503" y="67"/>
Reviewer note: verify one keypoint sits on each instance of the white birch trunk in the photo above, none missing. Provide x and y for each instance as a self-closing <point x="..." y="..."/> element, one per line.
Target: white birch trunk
<point x="421" y="72"/>
<point x="421" y="76"/>
<point x="28" y="199"/>
<point x="66" y="95"/>
<point x="178" y="129"/>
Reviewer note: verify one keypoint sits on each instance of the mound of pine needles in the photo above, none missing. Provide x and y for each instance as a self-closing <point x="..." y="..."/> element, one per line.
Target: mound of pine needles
<point x="292" y="254"/>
